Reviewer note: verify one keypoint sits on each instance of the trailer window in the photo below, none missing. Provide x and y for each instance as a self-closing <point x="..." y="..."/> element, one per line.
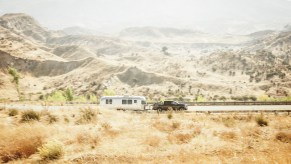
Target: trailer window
<point x="129" y="102"/>
<point x="143" y="102"/>
<point x="135" y="101"/>
<point x="124" y="101"/>
<point x="108" y="101"/>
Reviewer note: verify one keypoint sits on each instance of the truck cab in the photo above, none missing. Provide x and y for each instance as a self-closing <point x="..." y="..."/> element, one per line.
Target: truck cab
<point x="168" y="105"/>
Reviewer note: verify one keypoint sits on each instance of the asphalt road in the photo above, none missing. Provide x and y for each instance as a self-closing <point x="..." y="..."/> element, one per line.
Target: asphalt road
<point x="190" y="108"/>
<point x="241" y="108"/>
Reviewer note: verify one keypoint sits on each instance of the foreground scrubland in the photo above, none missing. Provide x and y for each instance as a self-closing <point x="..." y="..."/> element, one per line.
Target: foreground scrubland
<point x="94" y="135"/>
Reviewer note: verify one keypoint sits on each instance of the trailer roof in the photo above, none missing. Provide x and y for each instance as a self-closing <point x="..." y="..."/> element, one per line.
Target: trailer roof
<point x="123" y="97"/>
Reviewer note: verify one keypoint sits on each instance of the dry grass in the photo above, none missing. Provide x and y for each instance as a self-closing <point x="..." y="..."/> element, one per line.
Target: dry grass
<point x="153" y="141"/>
<point x="284" y="137"/>
<point x="13" y="112"/>
<point x="180" y="138"/>
<point x="128" y="137"/>
<point x="87" y="115"/>
<point x="228" y="136"/>
<point x="228" y="122"/>
<point x="21" y="141"/>
<point x="30" y="115"/>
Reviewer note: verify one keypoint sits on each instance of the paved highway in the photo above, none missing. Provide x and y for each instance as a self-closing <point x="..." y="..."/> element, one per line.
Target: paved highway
<point x="241" y="108"/>
<point x="190" y="108"/>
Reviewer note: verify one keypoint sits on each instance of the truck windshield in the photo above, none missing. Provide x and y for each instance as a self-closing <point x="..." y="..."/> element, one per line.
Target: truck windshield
<point x="143" y="102"/>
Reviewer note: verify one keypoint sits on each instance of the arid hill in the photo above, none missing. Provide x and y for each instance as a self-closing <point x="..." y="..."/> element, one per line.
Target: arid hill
<point x="154" y="62"/>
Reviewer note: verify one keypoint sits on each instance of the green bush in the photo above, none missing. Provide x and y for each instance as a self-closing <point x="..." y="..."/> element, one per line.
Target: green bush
<point x="56" y="96"/>
<point x="14" y="73"/>
<point x="51" y="150"/>
<point x="30" y="115"/>
<point x="13" y="112"/>
<point x="69" y="94"/>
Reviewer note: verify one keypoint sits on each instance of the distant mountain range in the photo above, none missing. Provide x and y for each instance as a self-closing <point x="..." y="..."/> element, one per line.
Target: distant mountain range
<point x="150" y="61"/>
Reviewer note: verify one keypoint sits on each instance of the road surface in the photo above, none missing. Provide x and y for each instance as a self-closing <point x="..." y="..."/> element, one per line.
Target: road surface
<point x="190" y="108"/>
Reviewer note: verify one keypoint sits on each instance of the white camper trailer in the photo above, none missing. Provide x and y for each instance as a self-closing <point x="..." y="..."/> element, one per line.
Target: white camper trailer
<point x="123" y="102"/>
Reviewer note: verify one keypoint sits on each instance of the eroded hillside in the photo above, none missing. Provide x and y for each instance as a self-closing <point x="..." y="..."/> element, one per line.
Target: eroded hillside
<point x="169" y="63"/>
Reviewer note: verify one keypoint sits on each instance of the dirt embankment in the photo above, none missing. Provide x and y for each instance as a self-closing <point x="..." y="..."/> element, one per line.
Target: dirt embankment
<point x="134" y="76"/>
<point x="40" y="68"/>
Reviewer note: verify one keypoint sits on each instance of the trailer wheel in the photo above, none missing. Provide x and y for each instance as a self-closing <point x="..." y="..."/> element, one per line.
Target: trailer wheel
<point x="159" y="109"/>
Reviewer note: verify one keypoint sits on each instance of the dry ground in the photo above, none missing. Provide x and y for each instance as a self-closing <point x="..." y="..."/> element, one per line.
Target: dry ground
<point x="126" y="137"/>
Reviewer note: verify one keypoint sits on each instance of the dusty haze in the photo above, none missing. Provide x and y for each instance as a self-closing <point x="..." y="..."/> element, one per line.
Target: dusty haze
<point x="219" y="16"/>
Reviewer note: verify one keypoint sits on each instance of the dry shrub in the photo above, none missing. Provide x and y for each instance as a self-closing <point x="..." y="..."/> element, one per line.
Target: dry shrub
<point x="51" y="150"/>
<point x="106" y="126"/>
<point x="109" y="130"/>
<point x="153" y="141"/>
<point x="12" y="112"/>
<point x="66" y="120"/>
<point x="252" y="132"/>
<point x="228" y="136"/>
<point x="197" y="131"/>
<point x="52" y="118"/>
<point x="228" y="122"/>
<point x="30" y="115"/>
<point x="170" y="115"/>
<point x="243" y="118"/>
<point x="165" y="126"/>
<point x="20" y="142"/>
<point x="88" y="138"/>
<point x="180" y="138"/>
<point x="161" y="126"/>
<point x="284" y="137"/>
<point x="261" y="121"/>
<point x="2" y="109"/>
<point x="87" y="115"/>
<point x="176" y="125"/>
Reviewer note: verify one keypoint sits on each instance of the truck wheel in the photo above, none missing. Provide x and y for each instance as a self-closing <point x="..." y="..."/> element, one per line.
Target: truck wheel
<point x="182" y="108"/>
<point x="160" y="109"/>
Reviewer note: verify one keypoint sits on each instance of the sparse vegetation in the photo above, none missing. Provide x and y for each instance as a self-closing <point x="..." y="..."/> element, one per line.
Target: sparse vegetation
<point x="170" y="115"/>
<point x="52" y="118"/>
<point x="20" y="142"/>
<point x="51" y="150"/>
<point x="15" y="74"/>
<point x="261" y="121"/>
<point x="284" y="137"/>
<point x="228" y="121"/>
<point x="87" y="115"/>
<point x="13" y="112"/>
<point x="135" y="132"/>
<point x="69" y="95"/>
<point x="30" y="115"/>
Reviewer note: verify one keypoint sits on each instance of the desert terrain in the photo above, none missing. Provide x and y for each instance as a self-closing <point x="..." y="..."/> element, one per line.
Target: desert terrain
<point x="75" y="65"/>
<point x="92" y="135"/>
<point x="159" y="63"/>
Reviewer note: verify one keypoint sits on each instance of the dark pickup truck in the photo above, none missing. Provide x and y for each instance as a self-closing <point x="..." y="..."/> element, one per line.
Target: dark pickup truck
<point x="168" y="105"/>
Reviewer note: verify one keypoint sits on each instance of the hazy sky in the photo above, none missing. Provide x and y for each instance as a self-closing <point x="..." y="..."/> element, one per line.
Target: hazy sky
<point x="216" y="16"/>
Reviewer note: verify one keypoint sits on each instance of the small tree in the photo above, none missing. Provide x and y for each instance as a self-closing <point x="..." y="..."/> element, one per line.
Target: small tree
<point x="16" y="76"/>
<point x="69" y="94"/>
<point x="14" y="73"/>
<point x="165" y="50"/>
